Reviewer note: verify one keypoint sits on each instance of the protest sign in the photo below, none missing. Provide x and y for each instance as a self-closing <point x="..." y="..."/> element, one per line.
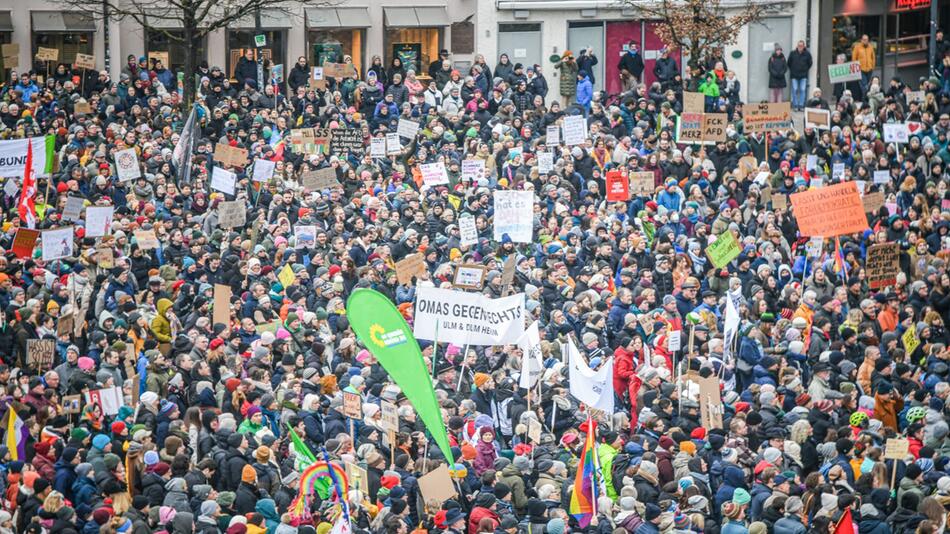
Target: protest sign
<point x="352" y="405"/>
<point x="277" y="73"/>
<point x="642" y="183"/>
<point x="286" y="276"/>
<point x="818" y="181"/>
<point x="693" y="102"/>
<point x="514" y="216"/>
<point x="359" y="480"/>
<point x="223" y="180"/>
<point x="469" y="276"/>
<point x="221" y="305"/>
<point x="346" y="139"/>
<point x="146" y="239"/>
<point x="473" y="169"/>
<point x="779" y="201"/>
<point x="916" y="96"/>
<point x="72" y="211"/>
<point x="263" y="170"/>
<point x="127" y="165"/>
<point x="436" y="485"/>
<point x="837" y="173"/>
<point x="407" y="128"/>
<point x="532" y="360"/>
<point x="339" y="70"/>
<point x="545" y="162"/>
<point x="57" y="243"/>
<point x="413" y="265"/>
<point x="674" y="340"/>
<point x="24" y="241"/>
<point x="305" y="236"/>
<point x="377" y="147"/>
<point x="39" y="353"/>
<point x="99" y="220"/>
<point x="896" y="448"/>
<point x="714" y="128"/>
<point x="710" y="402"/>
<point x="47" y="54"/>
<point x="829" y="211"/>
<point x="319" y="179"/>
<point x="13" y="156"/>
<point x="689" y="128"/>
<point x="159" y="56"/>
<point x="105" y="257"/>
<point x="11" y="187"/>
<point x="882" y="177"/>
<point x="468" y="233"/>
<point x="471" y="318"/>
<point x="11" y="55"/>
<point x="508" y="273"/>
<point x="910" y="339"/>
<point x="552" y="135"/>
<point x="575" y="130"/>
<point x="817" y="118"/>
<point x="82" y="107"/>
<point x="873" y="201"/>
<point x="109" y="399"/>
<point x="393" y="144"/>
<point x="723" y="250"/>
<point x="389" y="419"/>
<point x="85" y="61"/>
<point x="768" y="117"/>
<point x="883" y="264"/>
<point x="317" y="79"/>
<point x="896" y="133"/>
<point x="844" y="72"/>
<point x="230" y="156"/>
<point x="618" y="187"/>
<point x="811" y="162"/>
<point x="813" y="247"/>
<point x="232" y="214"/>
<point x="434" y="173"/>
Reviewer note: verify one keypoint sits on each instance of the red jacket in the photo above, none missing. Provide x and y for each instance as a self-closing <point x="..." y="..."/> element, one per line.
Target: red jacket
<point x="624" y="367"/>
<point x="479" y="513"/>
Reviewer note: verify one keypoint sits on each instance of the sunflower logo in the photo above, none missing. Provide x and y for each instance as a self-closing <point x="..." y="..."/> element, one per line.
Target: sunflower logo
<point x="375" y="332"/>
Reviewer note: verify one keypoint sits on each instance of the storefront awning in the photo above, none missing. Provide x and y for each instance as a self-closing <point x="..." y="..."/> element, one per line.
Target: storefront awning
<point x="416" y="17"/>
<point x="340" y="17"/>
<point x="6" y="22"/>
<point x="58" y="21"/>
<point x="269" y="21"/>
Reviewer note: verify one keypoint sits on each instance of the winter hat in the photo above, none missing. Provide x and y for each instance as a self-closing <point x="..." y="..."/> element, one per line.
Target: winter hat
<point x="101" y="440"/>
<point x="150" y="458"/>
<point x="741" y="497"/>
<point x="248" y="474"/>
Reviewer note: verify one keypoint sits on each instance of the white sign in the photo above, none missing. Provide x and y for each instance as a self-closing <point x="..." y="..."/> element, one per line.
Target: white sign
<point x="468" y="233"/>
<point x="377" y="147"/>
<point x="407" y="128"/>
<point x="593" y="388"/>
<point x="882" y="177"/>
<point x="731" y="320"/>
<point x="896" y="133"/>
<point x="545" y="162"/>
<point x="434" y="173"/>
<point x="844" y="72"/>
<point x="532" y="364"/>
<point x="811" y="162"/>
<point x="916" y="96"/>
<point x="818" y="181"/>
<point x="263" y="170"/>
<point x="73" y="209"/>
<point x="223" y="180"/>
<point x="127" y="165"/>
<point x="514" y="216"/>
<point x="11" y="187"/>
<point x="575" y="130"/>
<point x="57" y="243"/>
<point x="393" y="144"/>
<point x="674" y="340"/>
<point x="305" y="236"/>
<point x="817" y="118"/>
<point x="553" y="135"/>
<point x="473" y="169"/>
<point x="837" y="172"/>
<point x="99" y="220"/>
<point x="814" y="246"/>
<point x="468" y="318"/>
<point x="13" y="157"/>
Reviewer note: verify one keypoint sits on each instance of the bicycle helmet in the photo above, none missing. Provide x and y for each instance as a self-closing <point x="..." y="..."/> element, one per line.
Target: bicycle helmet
<point x="916" y="413"/>
<point x="857" y="418"/>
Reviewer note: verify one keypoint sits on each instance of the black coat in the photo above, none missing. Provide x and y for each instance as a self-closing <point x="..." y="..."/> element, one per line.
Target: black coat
<point x="778" y="67"/>
<point x="799" y="63"/>
<point x="299" y="76"/>
<point x="632" y="63"/>
<point x="246" y="497"/>
<point x="246" y="69"/>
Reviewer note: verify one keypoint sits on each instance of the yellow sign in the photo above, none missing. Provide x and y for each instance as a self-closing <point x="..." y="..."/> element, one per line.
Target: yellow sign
<point x="910" y="340"/>
<point x="286" y="276"/>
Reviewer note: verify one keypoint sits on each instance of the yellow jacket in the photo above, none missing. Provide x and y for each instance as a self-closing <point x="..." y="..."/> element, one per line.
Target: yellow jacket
<point x="865" y="55"/>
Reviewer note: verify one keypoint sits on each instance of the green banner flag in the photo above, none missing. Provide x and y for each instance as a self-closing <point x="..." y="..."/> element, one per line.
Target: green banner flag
<point x="723" y="250"/>
<point x="380" y="326"/>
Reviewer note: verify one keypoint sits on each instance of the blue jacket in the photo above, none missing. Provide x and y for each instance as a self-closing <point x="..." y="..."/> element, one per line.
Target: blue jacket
<point x="615" y="318"/>
<point x="65" y="476"/>
<point x="28" y="90"/>
<point x="585" y="92"/>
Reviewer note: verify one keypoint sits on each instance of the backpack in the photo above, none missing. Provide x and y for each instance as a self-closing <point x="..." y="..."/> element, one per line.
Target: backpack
<point x="219" y="456"/>
<point x="618" y="470"/>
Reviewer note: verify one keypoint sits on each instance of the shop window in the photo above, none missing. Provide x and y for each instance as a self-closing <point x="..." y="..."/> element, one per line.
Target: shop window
<point x="848" y="29"/>
<point x="158" y="41"/>
<point x="329" y="46"/>
<point x="274" y="51"/>
<point x="68" y="44"/>
<point x="416" y="47"/>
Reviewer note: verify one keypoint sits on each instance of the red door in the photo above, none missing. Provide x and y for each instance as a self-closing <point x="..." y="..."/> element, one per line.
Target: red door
<point x="651" y="50"/>
<point x="619" y="34"/>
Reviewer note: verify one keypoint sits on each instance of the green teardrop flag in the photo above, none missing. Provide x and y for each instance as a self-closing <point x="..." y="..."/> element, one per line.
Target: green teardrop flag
<point x="381" y="328"/>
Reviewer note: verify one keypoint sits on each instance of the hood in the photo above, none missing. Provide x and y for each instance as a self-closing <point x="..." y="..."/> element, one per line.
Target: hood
<point x="734" y="476"/>
<point x="267" y="508"/>
<point x="163" y="305"/>
<point x="176" y="484"/>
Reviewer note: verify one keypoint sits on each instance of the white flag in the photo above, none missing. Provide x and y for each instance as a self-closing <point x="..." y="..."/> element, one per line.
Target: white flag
<point x="593" y="388"/>
<point x="531" y="361"/>
<point x="731" y="323"/>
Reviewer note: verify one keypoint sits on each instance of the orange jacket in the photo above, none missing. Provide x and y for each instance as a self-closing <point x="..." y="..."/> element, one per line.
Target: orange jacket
<point x="886" y="409"/>
<point x="865" y="55"/>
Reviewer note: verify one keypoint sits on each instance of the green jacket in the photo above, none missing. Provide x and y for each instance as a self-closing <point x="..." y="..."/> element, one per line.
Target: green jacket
<point x="605" y="455"/>
<point x="709" y="87"/>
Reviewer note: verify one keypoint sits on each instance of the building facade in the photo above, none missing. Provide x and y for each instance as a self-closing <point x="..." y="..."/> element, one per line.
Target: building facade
<point x="532" y="32"/>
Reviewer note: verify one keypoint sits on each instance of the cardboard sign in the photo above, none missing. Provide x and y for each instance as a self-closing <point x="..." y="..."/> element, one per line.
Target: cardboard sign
<point x="47" y="54"/>
<point x="389" y="419"/>
<point x="817" y="118"/>
<point x="618" y="187"/>
<point x="411" y="265"/>
<point x="829" y="211"/>
<point x="910" y="340"/>
<point x="883" y="264"/>
<point x="317" y="79"/>
<point x="723" y="250"/>
<point x="319" y="179"/>
<point x="39" y="353"/>
<point x="230" y="156"/>
<point x="158" y="56"/>
<point x="508" y="272"/>
<point x="642" y="183"/>
<point x="358" y="477"/>
<point x="470" y="277"/>
<point x="339" y="70"/>
<point x="146" y="239"/>
<point x="11" y="55"/>
<point x="85" y="61"/>
<point x="352" y="405"/>
<point x="82" y="108"/>
<point x="896" y="449"/>
<point x="221" y="307"/>
<point x="694" y="102"/>
<point x="714" y="127"/>
<point x="779" y="201"/>
<point x="873" y="202"/>
<point x="64" y="324"/>
<point x="844" y="72"/>
<point x="689" y="128"/>
<point x="437" y="485"/>
<point x="346" y="139"/>
<point x="768" y="117"/>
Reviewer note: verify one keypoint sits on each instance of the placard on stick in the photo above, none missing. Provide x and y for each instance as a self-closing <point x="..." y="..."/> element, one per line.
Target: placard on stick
<point x="896" y="449"/>
<point x="359" y="478"/>
<point x="882" y="265"/>
<point x="710" y="402"/>
<point x="229" y="155"/>
<point x="85" y="61"/>
<point x="47" y="54"/>
<point x="437" y="485"/>
<point x="352" y="405"/>
<point x="389" y="416"/>
<point x="39" y="353"/>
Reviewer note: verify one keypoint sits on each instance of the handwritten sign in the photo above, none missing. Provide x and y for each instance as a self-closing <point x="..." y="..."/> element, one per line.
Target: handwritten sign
<point x="319" y="179"/>
<point x="830" y="211"/>
<point x="47" y="54"/>
<point x="575" y="130"/>
<point x="552" y="135"/>
<point x="896" y="448"/>
<point x="339" y="70"/>
<point x="145" y="239"/>
<point x="39" y="353"/>
<point x="85" y="61"/>
<point x="410" y="266"/>
<point x="473" y="169"/>
<point x="723" y="250"/>
<point x="779" y="201"/>
<point x="873" y="202"/>
<point x="694" y="102"/>
<point x="229" y="155"/>
<point x="232" y="214"/>
<point x="714" y="127"/>
<point x="642" y="183"/>
<point x="768" y="117"/>
<point x="883" y="264"/>
<point x="844" y="72"/>
<point x="434" y="173"/>
<point x="352" y="405"/>
<point x="407" y="128"/>
<point x="689" y="128"/>
<point x="346" y="139"/>
<point x="389" y="419"/>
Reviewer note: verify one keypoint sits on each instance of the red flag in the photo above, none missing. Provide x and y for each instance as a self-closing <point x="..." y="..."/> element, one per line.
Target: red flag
<point x="845" y="524"/>
<point x="26" y="207"/>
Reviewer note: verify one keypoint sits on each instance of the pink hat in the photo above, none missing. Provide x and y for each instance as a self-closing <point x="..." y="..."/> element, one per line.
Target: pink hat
<point x="86" y="363"/>
<point x="362" y="356"/>
<point x="282" y="333"/>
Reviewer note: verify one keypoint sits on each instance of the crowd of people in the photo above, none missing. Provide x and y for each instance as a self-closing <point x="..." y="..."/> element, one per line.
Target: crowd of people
<point x="818" y="379"/>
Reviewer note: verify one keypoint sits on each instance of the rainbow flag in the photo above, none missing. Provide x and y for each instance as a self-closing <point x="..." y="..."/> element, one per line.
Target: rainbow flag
<point x="17" y="434"/>
<point x="586" y="491"/>
<point x="841" y="266"/>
